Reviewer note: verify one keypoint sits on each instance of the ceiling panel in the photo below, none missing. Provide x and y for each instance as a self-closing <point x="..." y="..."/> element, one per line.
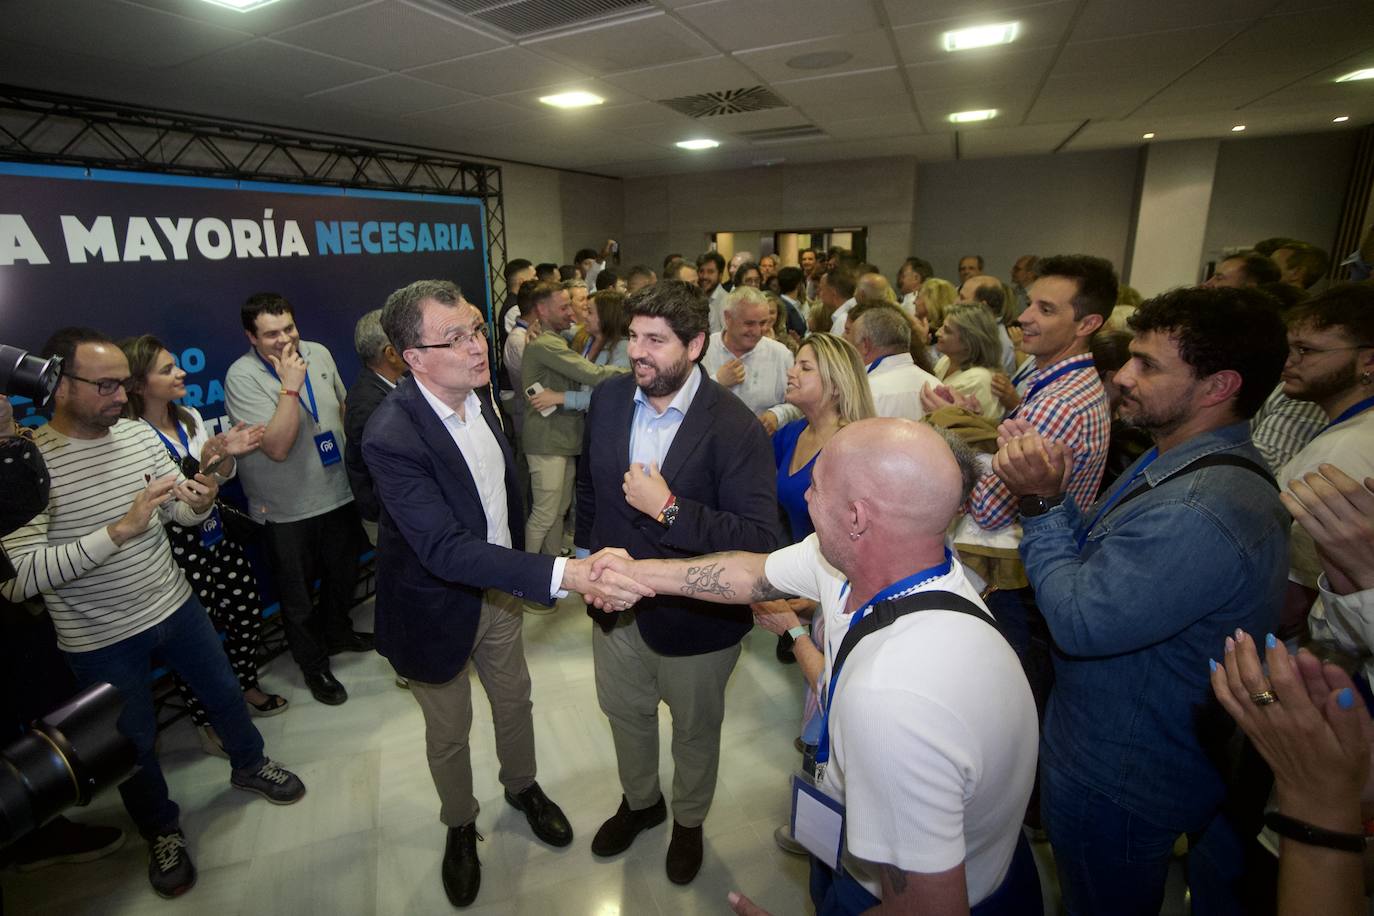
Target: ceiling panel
<point x="1164" y="53"/>
<point x="1076" y="96"/>
<point x="500" y="71"/>
<point x="626" y="45"/>
<point x="1110" y="20"/>
<point x="394" y="93"/>
<point x="529" y="99"/>
<point x="737" y="25"/>
<point x="894" y="124"/>
<point x="1010" y="99"/>
<point x="866" y="49"/>
<point x="391" y="35"/>
<point x="1041" y="26"/>
<point x="479" y="114"/>
<point x="265" y="66"/>
<point x="1023" y="140"/>
<point x="975" y="69"/>
<point x="136" y="34"/>
<point x="856" y="95"/>
<point x="261" y="21"/>
<point x="688" y="78"/>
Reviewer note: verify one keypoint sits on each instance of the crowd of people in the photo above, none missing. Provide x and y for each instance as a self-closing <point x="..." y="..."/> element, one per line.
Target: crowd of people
<point x="1020" y="540"/>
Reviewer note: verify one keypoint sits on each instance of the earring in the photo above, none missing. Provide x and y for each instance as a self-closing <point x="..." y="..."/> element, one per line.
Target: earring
<point x="853" y="535"/>
<point x="1365" y="379"/>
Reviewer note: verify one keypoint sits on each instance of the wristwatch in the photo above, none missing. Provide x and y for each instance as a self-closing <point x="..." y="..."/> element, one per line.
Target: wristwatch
<point x="669" y="513"/>
<point x="1031" y="506"/>
<point x="800" y="630"/>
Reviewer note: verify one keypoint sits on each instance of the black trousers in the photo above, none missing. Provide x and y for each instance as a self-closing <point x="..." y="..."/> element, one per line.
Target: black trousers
<point x="324" y="547"/>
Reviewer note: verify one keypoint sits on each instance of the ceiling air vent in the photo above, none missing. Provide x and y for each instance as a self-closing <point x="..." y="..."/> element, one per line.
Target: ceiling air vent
<point x="782" y="134"/>
<point x="523" y="18"/>
<point x="726" y="102"/>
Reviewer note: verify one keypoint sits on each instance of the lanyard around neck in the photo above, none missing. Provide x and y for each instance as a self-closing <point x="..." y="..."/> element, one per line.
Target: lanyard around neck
<point x="309" y="389"/>
<point x="1351" y="411"/>
<point x="181" y="434"/>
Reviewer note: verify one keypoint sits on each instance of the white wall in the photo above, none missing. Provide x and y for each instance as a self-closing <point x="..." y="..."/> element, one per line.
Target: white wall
<point x="1279" y="186"/>
<point x="679" y="212"/>
<point x="1065" y="203"/>
<point x="550" y="214"/>
<point x="1174" y="198"/>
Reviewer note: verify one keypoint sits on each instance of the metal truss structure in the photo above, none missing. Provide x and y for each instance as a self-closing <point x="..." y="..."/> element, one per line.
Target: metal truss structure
<point x="66" y="130"/>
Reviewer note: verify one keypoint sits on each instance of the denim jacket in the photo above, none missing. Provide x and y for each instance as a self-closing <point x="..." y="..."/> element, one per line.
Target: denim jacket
<point x="1157" y="587"/>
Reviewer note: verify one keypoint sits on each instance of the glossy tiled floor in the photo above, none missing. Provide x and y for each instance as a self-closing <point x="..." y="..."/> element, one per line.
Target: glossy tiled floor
<point x="366" y="839"/>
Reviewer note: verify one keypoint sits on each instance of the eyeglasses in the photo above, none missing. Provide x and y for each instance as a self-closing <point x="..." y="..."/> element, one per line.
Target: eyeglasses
<point x="457" y="341"/>
<point x="105" y="386"/>
<point x="1299" y="352"/>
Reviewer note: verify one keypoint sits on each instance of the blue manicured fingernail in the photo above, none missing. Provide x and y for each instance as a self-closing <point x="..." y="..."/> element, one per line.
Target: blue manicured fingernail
<point x="1270" y="641"/>
<point x="1346" y="698"/>
<point x="1212" y="663"/>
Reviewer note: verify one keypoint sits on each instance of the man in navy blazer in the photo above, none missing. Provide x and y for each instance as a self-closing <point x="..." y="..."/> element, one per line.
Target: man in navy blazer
<point x="450" y="567"/>
<point x="673" y="465"/>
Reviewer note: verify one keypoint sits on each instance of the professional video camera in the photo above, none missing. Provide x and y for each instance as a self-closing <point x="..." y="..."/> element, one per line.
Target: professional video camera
<point x="67" y="757"/>
<point x="28" y="376"/>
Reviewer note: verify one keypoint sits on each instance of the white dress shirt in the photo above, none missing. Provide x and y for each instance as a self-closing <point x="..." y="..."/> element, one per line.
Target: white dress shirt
<point x="896" y="382"/>
<point x="717" y="306"/>
<point x="841" y="317"/>
<point x="765" y="371"/>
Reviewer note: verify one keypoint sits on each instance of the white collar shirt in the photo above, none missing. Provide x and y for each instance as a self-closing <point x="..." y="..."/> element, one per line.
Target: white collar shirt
<point x="483" y="456"/>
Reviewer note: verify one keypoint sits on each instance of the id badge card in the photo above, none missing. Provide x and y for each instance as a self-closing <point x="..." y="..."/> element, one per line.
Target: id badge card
<point x="212" y="529"/>
<point x="327" y="448"/>
<point x="817" y="820"/>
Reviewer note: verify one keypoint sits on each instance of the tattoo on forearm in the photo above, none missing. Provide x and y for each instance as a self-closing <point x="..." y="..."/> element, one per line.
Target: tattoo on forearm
<point x="706" y="580"/>
<point x="896" y="878"/>
<point x="764" y="591"/>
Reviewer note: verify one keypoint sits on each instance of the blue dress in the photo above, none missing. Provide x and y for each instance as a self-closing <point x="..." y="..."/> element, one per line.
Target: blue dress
<point x="792" y="487"/>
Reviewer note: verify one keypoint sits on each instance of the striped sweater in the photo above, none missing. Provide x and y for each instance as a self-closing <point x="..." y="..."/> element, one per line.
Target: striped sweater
<point x="99" y="594"/>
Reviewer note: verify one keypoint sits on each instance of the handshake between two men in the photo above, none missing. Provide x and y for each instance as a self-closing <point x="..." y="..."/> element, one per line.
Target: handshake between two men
<point x="611" y="580"/>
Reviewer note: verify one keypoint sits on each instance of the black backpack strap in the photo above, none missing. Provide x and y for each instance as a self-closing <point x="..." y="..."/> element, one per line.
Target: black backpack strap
<point x="885" y="613"/>
<point x="1220" y="459"/>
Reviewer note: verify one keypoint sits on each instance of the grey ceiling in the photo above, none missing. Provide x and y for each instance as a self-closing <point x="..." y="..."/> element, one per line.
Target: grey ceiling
<point x="1085" y="74"/>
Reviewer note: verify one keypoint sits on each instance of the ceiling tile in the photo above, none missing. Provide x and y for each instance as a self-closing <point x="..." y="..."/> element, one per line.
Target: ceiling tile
<point x="261" y="21"/>
<point x="689" y="78"/>
<point x="1021" y="140"/>
<point x="739" y="24"/>
<point x="1042" y="25"/>
<point x="115" y="31"/>
<point x="856" y="95"/>
<point x="1075" y="96"/>
<point x="393" y="94"/>
<point x="529" y="99"/>
<point x="391" y="35"/>
<point x="1010" y="99"/>
<point x="1110" y="20"/>
<point x="265" y="66"/>
<point x="1160" y="52"/>
<point x="622" y="44"/>
<point x="866" y="50"/>
<point x="480" y="114"/>
<point x="975" y="69"/>
<point x="499" y="72"/>
<point x="895" y="124"/>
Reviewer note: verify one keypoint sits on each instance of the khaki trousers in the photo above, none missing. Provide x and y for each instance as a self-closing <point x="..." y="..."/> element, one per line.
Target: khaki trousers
<point x="551" y="490"/>
<point x="498" y="655"/>
<point x="631" y="680"/>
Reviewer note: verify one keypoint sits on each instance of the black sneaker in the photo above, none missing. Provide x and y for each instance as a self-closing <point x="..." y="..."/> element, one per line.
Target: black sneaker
<point x="170" y="870"/>
<point x="272" y="782"/>
<point x="62" y="841"/>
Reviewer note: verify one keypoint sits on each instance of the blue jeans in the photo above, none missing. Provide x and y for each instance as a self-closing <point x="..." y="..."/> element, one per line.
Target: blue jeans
<point x="1111" y="861"/>
<point x="188" y="644"/>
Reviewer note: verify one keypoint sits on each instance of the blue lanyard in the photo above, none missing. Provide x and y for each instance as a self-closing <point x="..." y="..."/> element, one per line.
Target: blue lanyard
<point x="876" y="363"/>
<point x="522" y="323"/>
<point x="1116" y="495"/>
<point x="181" y="434"/>
<point x="1074" y="364"/>
<point x="1024" y="374"/>
<point x="909" y="584"/>
<point x="309" y="389"/>
<point x="1349" y="412"/>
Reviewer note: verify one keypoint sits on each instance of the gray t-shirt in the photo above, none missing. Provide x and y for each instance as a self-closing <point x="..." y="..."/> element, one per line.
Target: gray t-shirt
<point x="299" y="487"/>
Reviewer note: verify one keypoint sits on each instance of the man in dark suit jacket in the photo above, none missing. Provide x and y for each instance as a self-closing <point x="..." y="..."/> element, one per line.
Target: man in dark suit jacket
<point x="382" y="369"/>
<point x="673" y="465"/>
<point x="450" y="566"/>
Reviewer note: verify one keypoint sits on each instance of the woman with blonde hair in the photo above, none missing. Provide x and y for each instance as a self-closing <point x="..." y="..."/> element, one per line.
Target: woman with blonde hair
<point x="971" y="353"/>
<point x="934" y="298"/>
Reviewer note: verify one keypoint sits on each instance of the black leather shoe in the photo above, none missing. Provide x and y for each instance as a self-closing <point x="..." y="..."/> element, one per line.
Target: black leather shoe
<point x="461" y="871"/>
<point x="353" y="642"/>
<point x="616" y="835"/>
<point x="546" y="819"/>
<point x="684" y="854"/>
<point x="325" y="688"/>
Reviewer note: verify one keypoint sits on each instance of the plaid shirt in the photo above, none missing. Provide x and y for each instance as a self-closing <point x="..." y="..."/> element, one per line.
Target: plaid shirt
<point x="1071" y="409"/>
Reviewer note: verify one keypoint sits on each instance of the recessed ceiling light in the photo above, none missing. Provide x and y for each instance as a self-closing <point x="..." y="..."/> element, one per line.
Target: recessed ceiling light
<point x="964" y="117"/>
<point x="1366" y="74"/>
<point x="1238" y="128"/>
<point x="819" y="60"/>
<point x="698" y="144"/>
<point x="577" y="99"/>
<point x="1341" y="119"/>
<point x="242" y="6"/>
<point x="982" y="36"/>
<point x="1149" y="136"/>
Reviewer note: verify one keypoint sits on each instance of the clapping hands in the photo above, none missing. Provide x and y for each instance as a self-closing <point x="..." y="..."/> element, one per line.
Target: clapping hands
<point x="1339" y="515"/>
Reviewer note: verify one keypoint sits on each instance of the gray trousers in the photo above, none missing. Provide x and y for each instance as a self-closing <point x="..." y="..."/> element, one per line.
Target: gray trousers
<point x="498" y="655"/>
<point x="631" y="680"/>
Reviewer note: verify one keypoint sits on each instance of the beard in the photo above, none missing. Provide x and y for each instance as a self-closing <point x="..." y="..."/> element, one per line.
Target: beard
<point x="667" y="380"/>
<point x="1325" y="387"/>
<point x="1156" y="422"/>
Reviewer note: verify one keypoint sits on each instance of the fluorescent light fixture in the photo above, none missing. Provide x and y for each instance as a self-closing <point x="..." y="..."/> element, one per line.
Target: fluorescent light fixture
<point x="697" y="144"/>
<point x="1238" y="128"/>
<point x="964" y="117"/>
<point x="1341" y="120"/>
<point x="576" y="99"/>
<point x="982" y="36"/>
<point x="1366" y="74"/>
<point x="1149" y="136"/>
<point x="242" y="6"/>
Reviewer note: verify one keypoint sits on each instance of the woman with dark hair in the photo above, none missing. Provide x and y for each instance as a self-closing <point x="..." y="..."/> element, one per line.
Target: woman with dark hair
<point x="610" y="327"/>
<point x="748" y="274"/>
<point x="214" y="564"/>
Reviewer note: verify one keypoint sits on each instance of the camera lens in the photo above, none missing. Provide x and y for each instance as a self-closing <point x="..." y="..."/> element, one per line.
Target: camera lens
<point x="28" y="376"/>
